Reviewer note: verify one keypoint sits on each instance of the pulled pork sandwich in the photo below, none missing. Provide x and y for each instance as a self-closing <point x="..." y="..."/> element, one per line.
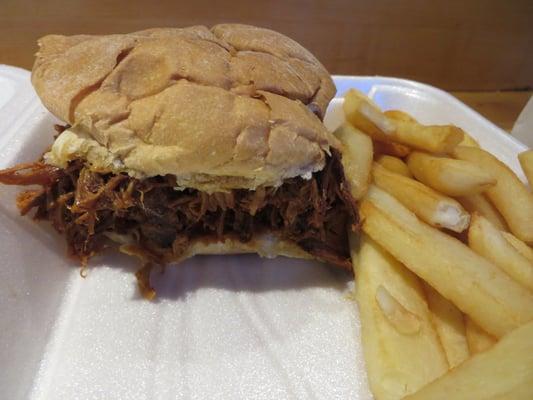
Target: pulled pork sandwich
<point x="188" y="141"/>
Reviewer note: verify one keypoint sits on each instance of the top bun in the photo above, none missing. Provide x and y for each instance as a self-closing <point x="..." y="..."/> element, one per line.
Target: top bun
<point x="234" y="106"/>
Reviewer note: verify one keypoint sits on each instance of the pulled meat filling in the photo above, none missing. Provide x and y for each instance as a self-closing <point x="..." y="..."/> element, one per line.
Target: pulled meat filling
<point x="161" y="220"/>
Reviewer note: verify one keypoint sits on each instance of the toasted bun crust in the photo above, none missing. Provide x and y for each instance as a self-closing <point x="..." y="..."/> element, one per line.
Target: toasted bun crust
<point x="266" y="245"/>
<point x="234" y="106"/>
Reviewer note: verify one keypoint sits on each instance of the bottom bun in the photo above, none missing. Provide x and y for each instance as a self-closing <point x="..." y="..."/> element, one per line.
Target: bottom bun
<point x="265" y="245"/>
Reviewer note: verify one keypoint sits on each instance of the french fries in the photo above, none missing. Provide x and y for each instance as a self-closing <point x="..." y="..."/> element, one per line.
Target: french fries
<point x="365" y="115"/>
<point x="480" y="204"/>
<point x="503" y="372"/>
<point x="477" y="287"/>
<point x="401" y="348"/>
<point x="357" y="158"/>
<point x="486" y="240"/>
<point x="394" y="164"/>
<point x="414" y="330"/>
<point x="403" y="116"/>
<point x="449" y="324"/>
<point x="509" y="195"/>
<point x="399" y="115"/>
<point x="520" y="246"/>
<point x="469" y="141"/>
<point x="449" y="176"/>
<point x="391" y="149"/>
<point x="478" y="340"/>
<point x="526" y="162"/>
<point x="433" y="138"/>
<point x="432" y="207"/>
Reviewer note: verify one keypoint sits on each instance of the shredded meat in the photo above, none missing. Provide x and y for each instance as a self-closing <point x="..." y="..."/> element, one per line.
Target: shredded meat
<point x="87" y="206"/>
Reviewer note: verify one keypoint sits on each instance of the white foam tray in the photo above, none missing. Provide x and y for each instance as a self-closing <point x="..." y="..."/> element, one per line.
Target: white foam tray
<point x="236" y="327"/>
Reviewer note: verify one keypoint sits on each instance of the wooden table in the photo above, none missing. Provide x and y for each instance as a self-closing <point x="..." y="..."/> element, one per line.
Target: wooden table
<point x="473" y="49"/>
<point x="502" y="108"/>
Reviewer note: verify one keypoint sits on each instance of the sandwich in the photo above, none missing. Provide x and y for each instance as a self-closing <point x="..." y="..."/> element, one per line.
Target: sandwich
<point x="177" y="142"/>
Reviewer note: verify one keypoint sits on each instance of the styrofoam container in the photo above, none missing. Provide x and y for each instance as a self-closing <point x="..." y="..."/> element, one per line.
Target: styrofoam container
<point x="232" y="327"/>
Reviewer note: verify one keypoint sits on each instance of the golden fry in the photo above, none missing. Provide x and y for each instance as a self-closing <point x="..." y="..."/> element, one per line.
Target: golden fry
<point x="520" y="246"/>
<point x="449" y="176"/>
<point x="477" y="287"/>
<point x="450" y="326"/>
<point x="397" y="334"/>
<point x="356" y="158"/>
<point x="503" y="372"/>
<point x="391" y="149"/>
<point x="526" y="162"/>
<point x="365" y="115"/>
<point x="480" y="204"/>
<point x="486" y="240"/>
<point x="430" y="206"/>
<point x="509" y="195"/>
<point x="469" y="141"/>
<point x="399" y="115"/>
<point x="394" y="164"/>
<point x="478" y="340"/>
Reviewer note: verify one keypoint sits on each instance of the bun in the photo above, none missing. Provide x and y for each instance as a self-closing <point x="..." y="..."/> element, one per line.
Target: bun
<point x="266" y="245"/>
<point x="231" y="107"/>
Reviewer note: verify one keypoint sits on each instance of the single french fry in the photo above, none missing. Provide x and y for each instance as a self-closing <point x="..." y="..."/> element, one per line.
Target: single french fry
<point x="391" y="149"/>
<point x="430" y="138"/>
<point x="401" y="348"/>
<point x="476" y="286"/>
<point x="399" y="115"/>
<point x="357" y="158"/>
<point x="520" y="246"/>
<point x="509" y="195"/>
<point x="480" y="204"/>
<point x="432" y="207"/>
<point x="469" y="141"/>
<point x="526" y="162"/>
<point x="449" y="176"/>
<point x="364" y="114"/>
<point x="394" y="164"/>
<point x="449" y="323"/>
<point x="486" y="240"/>
<point x="505" y="372"/>
<point x="478" y="340"/>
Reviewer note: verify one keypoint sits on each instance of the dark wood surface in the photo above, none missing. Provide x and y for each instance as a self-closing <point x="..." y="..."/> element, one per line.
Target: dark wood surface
<point x="502" y="108"/>
<point x="467" y="45"/>
<point x="456" y="45"/>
